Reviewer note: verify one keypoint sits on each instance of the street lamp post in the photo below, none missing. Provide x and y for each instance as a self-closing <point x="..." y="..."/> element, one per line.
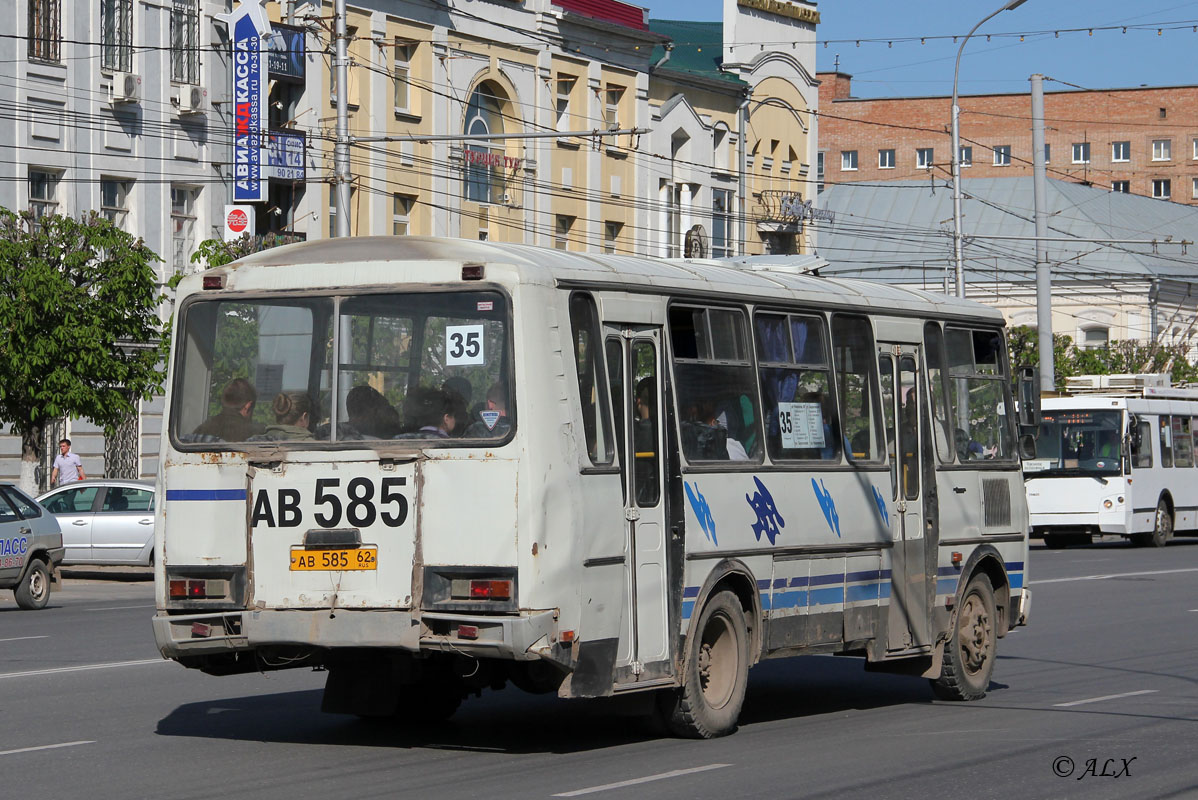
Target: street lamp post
<point x="1009" y="6"/>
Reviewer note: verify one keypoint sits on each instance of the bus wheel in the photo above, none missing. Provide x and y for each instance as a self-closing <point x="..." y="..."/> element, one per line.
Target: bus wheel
<point x="969" y="652"/>
<point x="1054" y="541"/>
<point x="716" y="673"/>
<point x="1162" y="531"/>
<point x="34" y="591"/>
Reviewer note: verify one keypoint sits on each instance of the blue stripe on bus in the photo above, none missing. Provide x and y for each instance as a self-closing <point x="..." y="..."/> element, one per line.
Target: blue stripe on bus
<point x="864" y="575"/>
<point x="205" y="494"/>
<point x="855" y="594"/>
<point x="690" y="591"/>
<point x="946" y="586"/>
<point x="688" y="606"/>
<point x="1016" y="580"/>
<point x="826" y="597"/>
<point x="789" y="599"/>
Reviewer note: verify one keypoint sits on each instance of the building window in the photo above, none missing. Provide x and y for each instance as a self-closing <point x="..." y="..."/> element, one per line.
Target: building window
<point x="1195" y="143"/>
<point x="1095" y="338"/>
<point x="116" y="35"/>
<point x="43" y="192"/>
<point x="1047" y="153"/>
<point x="1121" y="151"/>
<point x="1161" y="189"/>
<point x="719" y="148"/>
<point x="114" y="200"/>
<point x="965" y="157"/>
<point x="1162" y="149"/>
<point x="1081" y="153"/>
<point x="400" y="76"/>
<point x="1121" y="186"/>
<point x="611" y="235"/>
<point x="561" y="233"/>
<point x="885" y="159"/>
<point x="1194" y="191"/>
<point x="485" y="179"/>
<point x="923" y="158"/>
<point x="848" y="160"/>
<point x="611" y="108"/>
<point x="185" y="41"/>
<point x="401" y="214"/>
<point x="45" y="32"/>
<point x="819" y="171"/>
<point x="721" y="223"/>
<point x="1002" y="155"/>
<point x="183" y="224"/>
<point x="565" y="88"/>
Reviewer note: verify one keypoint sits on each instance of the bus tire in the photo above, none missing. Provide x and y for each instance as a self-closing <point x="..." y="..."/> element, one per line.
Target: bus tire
<point x="716" y="673"/>
<point x="1162" y="528"/>
<point x="1055" y="541"/>
<point x="34" y="590"/>
<point x="969" y="653"/>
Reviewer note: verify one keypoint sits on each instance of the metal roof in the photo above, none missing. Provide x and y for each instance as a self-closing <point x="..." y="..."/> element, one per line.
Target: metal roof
<point x="901" y="231"/>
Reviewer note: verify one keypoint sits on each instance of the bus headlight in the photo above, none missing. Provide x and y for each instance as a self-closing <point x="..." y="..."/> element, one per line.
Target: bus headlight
<point x="1107" y="504"/>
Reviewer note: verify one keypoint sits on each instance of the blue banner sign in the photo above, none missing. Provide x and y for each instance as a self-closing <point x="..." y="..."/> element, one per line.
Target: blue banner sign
<point x="286" y="157"/>
<point x="286" y="58"/>
<point x="248" y="25"/>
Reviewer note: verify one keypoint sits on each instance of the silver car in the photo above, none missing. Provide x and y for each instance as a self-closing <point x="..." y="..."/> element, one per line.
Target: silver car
<point x="105" y="521"/>
<point x="30" y="548"/>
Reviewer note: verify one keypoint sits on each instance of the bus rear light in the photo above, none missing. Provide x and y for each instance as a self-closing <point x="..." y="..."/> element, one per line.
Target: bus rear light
<point x="567" y="637"/>
<point x="214" y="281"/>
<point x="490" y="590"/>
<point x="178" y="589"/>
<point x="472" y="272"/>
<point x="197" y="589"/>
<point x="467" y="631"/>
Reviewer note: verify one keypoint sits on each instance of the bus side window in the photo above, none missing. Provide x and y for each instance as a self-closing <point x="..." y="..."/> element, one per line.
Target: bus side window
<point x="592" y="393"/>
<point x="1183" y="442"/>
<point x="933" y="339"/>
<point x="854" y="358"/>
<point x="1141" y="445"/>
<point x="796" y="388"/>
<point x="1166" y="432"/>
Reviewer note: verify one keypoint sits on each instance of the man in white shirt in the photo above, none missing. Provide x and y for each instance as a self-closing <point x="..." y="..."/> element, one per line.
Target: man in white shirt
<point x="68" y="468"/>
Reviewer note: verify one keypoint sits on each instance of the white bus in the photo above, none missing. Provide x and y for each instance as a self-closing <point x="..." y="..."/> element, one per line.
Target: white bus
<point x="583" y="474"/>
<point x="1115" y="465"/>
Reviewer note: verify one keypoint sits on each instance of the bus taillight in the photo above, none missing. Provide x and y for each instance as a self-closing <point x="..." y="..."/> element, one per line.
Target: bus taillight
<point x="490" y="590"/>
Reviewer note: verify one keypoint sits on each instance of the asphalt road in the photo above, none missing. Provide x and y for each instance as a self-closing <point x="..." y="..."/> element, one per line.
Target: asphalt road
<point x="1104" y="680"/>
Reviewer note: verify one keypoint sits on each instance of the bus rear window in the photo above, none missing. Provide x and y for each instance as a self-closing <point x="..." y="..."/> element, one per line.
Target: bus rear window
<point x="431" y="366"/>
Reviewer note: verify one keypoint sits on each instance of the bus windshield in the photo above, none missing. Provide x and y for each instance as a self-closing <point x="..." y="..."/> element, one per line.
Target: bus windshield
<point x="424" y="366"/>
<point x="1077" y="442"/>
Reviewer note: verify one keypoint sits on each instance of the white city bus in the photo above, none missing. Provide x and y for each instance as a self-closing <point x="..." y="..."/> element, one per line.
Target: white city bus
<point x="584" y="474"/>
<point x="1115" y="465"/>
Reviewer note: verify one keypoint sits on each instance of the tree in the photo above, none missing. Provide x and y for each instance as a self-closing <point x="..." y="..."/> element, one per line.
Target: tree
<point x="1114" y="358"/>
<point x="80" y="334"/>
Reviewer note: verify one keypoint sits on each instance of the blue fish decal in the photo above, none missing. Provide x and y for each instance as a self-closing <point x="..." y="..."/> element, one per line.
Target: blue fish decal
<point x="827" y="505"/>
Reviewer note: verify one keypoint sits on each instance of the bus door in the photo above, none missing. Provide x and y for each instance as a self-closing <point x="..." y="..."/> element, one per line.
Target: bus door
<point x="908" y="629"/>
<point x="634" y="360"/>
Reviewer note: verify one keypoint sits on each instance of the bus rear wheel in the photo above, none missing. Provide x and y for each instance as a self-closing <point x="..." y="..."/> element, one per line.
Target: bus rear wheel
<point x="1162" y="529"/>
<point x="716" y="673"/>
<point x="969" y="652"/>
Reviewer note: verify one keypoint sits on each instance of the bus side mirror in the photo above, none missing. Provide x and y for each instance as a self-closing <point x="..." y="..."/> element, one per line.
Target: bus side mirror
<point x="1028" y="395"/>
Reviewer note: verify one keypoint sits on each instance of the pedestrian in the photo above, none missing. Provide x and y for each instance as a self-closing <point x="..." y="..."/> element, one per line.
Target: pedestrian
<point x="68" y="468"/>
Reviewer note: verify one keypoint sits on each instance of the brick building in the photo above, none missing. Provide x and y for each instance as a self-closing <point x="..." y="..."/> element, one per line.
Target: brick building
<point x="1141" y="141"/>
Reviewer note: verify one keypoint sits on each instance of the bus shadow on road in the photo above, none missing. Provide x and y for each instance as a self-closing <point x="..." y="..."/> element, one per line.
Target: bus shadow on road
<point x="514" y="722"/>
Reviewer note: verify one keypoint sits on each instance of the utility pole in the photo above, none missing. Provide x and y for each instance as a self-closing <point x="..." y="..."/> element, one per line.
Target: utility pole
<point x="341" y="176"/>
<point x="1043" y="273"/>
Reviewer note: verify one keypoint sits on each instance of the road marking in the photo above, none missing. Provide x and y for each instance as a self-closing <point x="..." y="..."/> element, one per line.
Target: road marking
<point x="115" y="608"/>
<point x="635" y="781"/>
<point x="1114" y="575"/>
<point x="1104" y="697"/>
<point x="44" y="747"/>
<point x="83" y="668"/>
<point x="23" y="638"/>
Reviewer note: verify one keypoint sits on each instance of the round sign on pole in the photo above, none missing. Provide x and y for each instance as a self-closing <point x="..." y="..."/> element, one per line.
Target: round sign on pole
<point x="239" y="220"/>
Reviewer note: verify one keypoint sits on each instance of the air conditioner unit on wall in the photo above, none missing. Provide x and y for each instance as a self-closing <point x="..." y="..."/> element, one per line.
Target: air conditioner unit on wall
<point x="193" y="99"/>
<point x="126" y="88"/>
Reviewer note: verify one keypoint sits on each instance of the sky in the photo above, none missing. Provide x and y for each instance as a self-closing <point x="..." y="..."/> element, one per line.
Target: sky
<point x="891" y="61"/>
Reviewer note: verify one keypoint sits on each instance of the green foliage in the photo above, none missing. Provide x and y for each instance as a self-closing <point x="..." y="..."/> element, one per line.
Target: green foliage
<point x="80" y="334"/>
<point x="1118" y="357"/>
<point x="216" y="253"/>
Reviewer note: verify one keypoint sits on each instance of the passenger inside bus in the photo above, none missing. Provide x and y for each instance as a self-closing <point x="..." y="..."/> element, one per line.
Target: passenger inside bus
<point x="235" y="421"/>
<point x="369" y="414"/>
<point x="705" y="435"/>
<point x="428" y="414"/>
<point x="492" y="420"/>
<point x="292" y="411"/>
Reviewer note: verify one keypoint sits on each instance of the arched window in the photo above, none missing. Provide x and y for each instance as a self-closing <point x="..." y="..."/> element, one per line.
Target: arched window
<point x="483" y="158"/>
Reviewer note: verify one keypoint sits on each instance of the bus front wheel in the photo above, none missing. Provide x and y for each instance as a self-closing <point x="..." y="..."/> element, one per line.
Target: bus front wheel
<point x="969" y="652"/>
<point x="716" y="673"/>
<point x="1162" y="529"/>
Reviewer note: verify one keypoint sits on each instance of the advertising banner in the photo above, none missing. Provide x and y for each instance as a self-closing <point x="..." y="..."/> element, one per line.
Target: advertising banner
<point x="248" y="25"/>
